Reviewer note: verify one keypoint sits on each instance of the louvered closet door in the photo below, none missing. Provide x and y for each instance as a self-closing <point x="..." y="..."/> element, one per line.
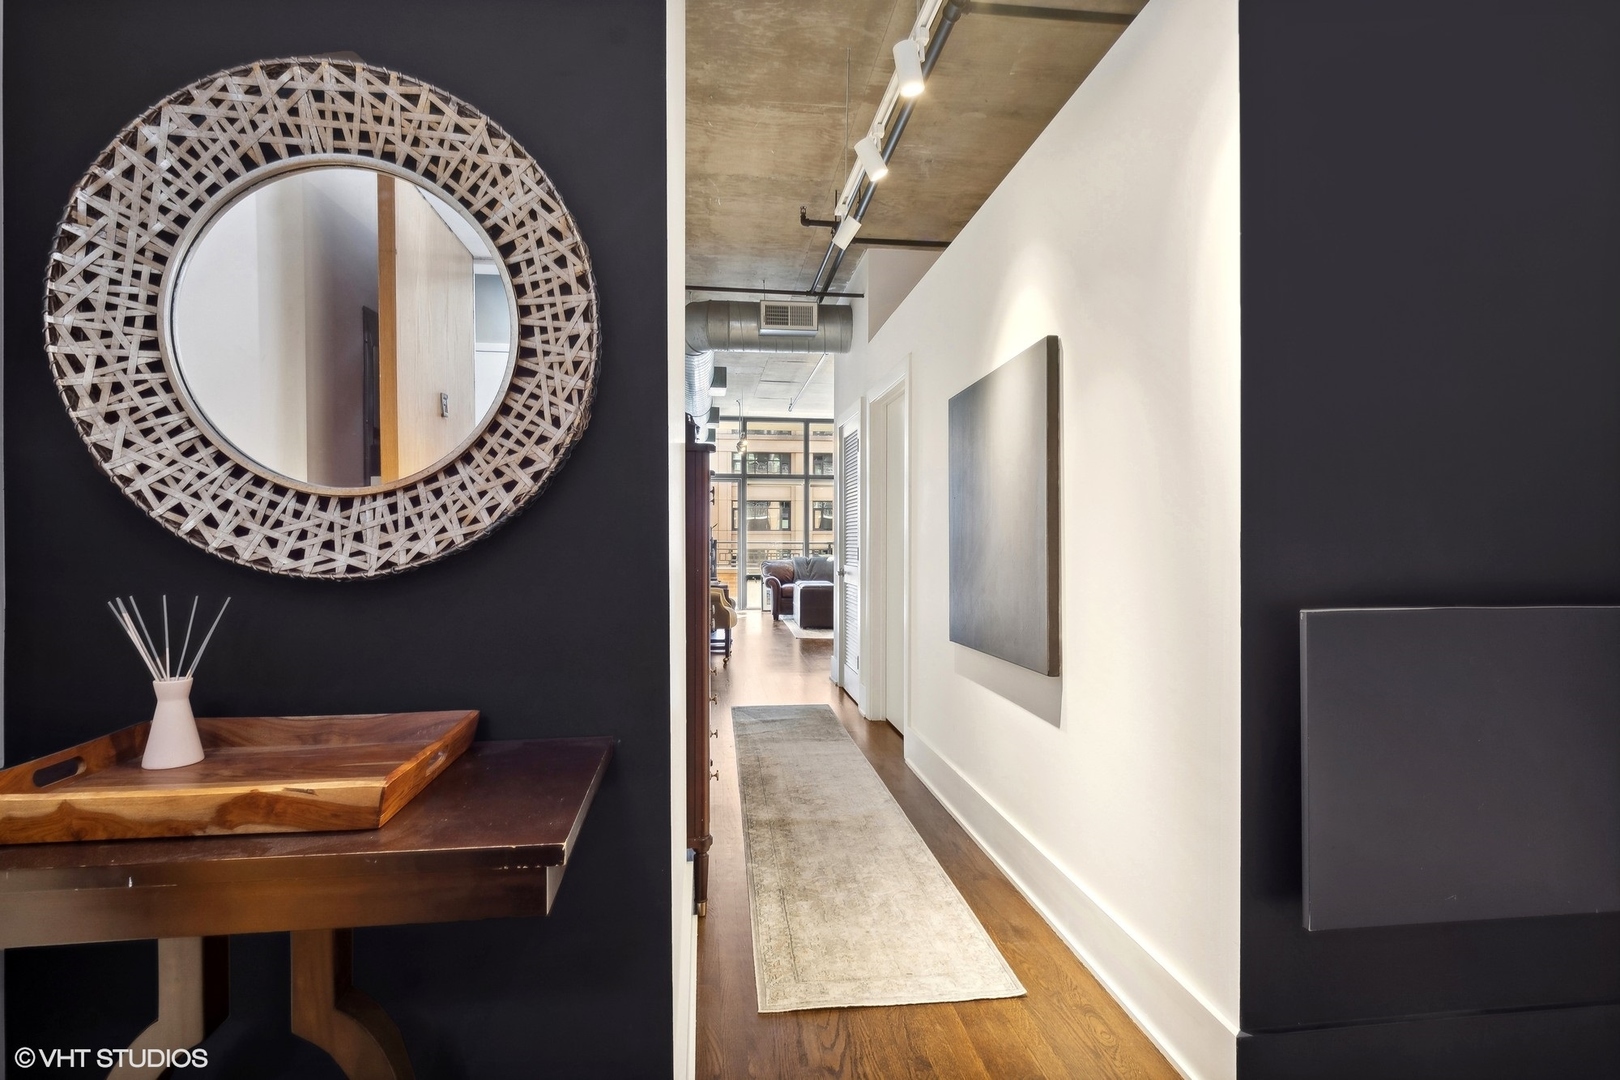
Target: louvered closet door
<point x="849" y="549"/>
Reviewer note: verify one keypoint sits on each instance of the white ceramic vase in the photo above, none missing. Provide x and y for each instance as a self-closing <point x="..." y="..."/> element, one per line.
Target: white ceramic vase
<point x="173" y="740"/>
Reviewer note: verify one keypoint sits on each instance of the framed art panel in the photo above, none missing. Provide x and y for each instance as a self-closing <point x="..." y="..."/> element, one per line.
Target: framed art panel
<point x="1004" y="443"/>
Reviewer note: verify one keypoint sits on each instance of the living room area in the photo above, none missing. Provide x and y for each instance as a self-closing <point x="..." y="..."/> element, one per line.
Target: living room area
<point x="772" y="516"/>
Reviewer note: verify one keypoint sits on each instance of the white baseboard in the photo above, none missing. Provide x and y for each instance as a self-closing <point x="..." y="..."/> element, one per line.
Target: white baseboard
<point x="1198" y="1041"/>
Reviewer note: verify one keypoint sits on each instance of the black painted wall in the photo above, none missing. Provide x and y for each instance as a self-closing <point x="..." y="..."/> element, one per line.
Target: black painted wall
<point x="555" y="625"/>
<point x="1431" y="415"/>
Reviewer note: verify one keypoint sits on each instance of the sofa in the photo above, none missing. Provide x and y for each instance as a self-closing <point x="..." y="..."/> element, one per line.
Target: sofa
<point x="782" y="577"/>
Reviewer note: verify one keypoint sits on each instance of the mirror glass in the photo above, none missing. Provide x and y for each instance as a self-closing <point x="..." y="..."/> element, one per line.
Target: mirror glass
<point x="342" y="326"/>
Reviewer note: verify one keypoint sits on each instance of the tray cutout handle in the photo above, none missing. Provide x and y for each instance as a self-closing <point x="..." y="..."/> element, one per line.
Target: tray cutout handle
<point x="57" y="771"/>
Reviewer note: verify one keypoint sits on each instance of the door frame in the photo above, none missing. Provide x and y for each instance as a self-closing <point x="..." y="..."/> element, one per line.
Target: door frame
<point x="885" y="701"/>
<point x="843" y="674"/>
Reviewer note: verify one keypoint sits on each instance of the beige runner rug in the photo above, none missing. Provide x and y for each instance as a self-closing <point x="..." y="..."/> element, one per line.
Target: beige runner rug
<point x="849" y="905"/>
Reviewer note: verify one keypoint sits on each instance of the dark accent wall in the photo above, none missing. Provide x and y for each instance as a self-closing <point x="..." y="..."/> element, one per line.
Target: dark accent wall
<point x="555" y="625"/>
<point x="1459" y="763"/>
<point x="1431" y="415"/>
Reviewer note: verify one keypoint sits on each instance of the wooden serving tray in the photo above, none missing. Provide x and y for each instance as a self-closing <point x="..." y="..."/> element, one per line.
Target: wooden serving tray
<point x="262" y="774"/>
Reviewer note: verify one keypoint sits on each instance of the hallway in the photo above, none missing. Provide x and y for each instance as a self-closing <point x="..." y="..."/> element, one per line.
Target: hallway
<point x="1066" y="1027"/>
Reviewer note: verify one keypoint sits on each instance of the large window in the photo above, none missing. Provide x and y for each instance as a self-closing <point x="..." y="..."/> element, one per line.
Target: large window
<point x="783" y="511"/>
<point x="771" y="464"/>
<point x="770" y="515"/>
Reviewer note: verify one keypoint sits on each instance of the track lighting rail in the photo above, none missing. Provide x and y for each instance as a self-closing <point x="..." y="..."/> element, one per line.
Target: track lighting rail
<point x="876" y="148"/>
<point x="865" y="187"/>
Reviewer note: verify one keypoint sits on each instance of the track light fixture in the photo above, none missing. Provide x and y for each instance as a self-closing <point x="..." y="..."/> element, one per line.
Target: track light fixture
<point x="908" y="70"/>
<point x="918" y="50"/>
<point x="846" y="232"/>
<point x="871" y="159"/>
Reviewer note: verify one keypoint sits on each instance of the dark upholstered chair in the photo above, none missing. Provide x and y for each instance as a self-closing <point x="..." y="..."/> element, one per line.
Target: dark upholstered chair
<point x="782" y="577"/>
<point x="779" y="582"/>
<point x="722" y="617"/>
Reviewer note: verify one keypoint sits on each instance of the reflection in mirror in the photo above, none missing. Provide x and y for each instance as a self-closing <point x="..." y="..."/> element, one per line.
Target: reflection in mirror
<point x="342" y="327"/>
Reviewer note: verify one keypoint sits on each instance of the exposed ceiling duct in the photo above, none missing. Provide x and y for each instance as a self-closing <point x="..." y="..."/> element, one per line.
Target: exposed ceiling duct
<point x="737" y="326"/>
<point x="699" y="377"/>
<point x="734" y="326"/>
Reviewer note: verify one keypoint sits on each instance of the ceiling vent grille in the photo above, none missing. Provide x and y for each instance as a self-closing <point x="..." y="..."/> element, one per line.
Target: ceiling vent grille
<point x="787" y="317"/>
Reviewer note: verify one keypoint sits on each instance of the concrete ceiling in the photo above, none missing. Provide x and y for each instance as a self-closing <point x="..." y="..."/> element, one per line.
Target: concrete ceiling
<point x="766" y="134"/>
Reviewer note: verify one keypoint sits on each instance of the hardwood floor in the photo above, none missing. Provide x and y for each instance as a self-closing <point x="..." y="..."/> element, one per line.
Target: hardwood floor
<point x="1067" y="1025"/>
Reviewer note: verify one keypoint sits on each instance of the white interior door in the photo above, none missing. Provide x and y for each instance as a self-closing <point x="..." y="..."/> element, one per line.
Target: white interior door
<point x="848" y="637"/>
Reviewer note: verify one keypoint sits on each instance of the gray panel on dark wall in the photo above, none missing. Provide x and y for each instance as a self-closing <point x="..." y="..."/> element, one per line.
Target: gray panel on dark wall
<point x="1459" y="764"/>
<point x="1004" y="437"/>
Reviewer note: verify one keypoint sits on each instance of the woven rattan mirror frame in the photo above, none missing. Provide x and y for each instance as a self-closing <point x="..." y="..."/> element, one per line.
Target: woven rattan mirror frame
<point x="153" y="188"/>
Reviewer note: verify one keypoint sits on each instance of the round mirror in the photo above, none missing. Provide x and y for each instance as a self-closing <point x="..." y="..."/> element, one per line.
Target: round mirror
<point x="322" y="319"/>
<point x="341" y="326"/>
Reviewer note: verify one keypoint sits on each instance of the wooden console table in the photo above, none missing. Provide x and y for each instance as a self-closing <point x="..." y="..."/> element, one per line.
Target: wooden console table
<point x="490" y="838"/>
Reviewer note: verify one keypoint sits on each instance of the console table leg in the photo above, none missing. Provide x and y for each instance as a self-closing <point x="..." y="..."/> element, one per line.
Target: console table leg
<point x="193" y="998"/>
<point x="329" y="1012"/>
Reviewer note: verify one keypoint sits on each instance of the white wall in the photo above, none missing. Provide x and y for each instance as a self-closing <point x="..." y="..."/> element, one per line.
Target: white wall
<point x="339" y="279"/>
<point x="433" y="308"/>
<point x="683" y="926"/>
<point x="267" y="321"/>
<point x="222" y="345"/>
<point x="890" y="276"/>
<point x="1110" y="795"/>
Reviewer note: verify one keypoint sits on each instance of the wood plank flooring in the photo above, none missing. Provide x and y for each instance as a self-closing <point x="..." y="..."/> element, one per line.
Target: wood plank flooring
<point x="1067" y="1027"/>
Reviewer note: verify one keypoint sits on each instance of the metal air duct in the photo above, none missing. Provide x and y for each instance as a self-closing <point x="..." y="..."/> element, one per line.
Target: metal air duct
<point x="734" y="326"/>
<point x="699" y="374"/>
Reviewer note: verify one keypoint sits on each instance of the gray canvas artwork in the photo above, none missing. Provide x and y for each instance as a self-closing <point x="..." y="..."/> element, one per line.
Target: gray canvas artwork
<point x="1004" y="511"/>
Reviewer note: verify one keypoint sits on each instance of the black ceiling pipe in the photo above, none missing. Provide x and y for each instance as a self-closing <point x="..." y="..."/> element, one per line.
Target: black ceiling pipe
<point x="772" y="292"/>
<point x="869" y="241"/>
<point x="1026" y="11"/>
<point x="835" y="254"/>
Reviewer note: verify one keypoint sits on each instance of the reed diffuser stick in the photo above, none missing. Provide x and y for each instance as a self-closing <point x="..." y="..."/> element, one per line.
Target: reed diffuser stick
<point x="181" y="664"/>
<point x="164" y="666"/>
<point x="207" y="637"/>
<point x="151" y="649"/>
<point x="133" y="639"/>
<point x="129" y="625"/>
